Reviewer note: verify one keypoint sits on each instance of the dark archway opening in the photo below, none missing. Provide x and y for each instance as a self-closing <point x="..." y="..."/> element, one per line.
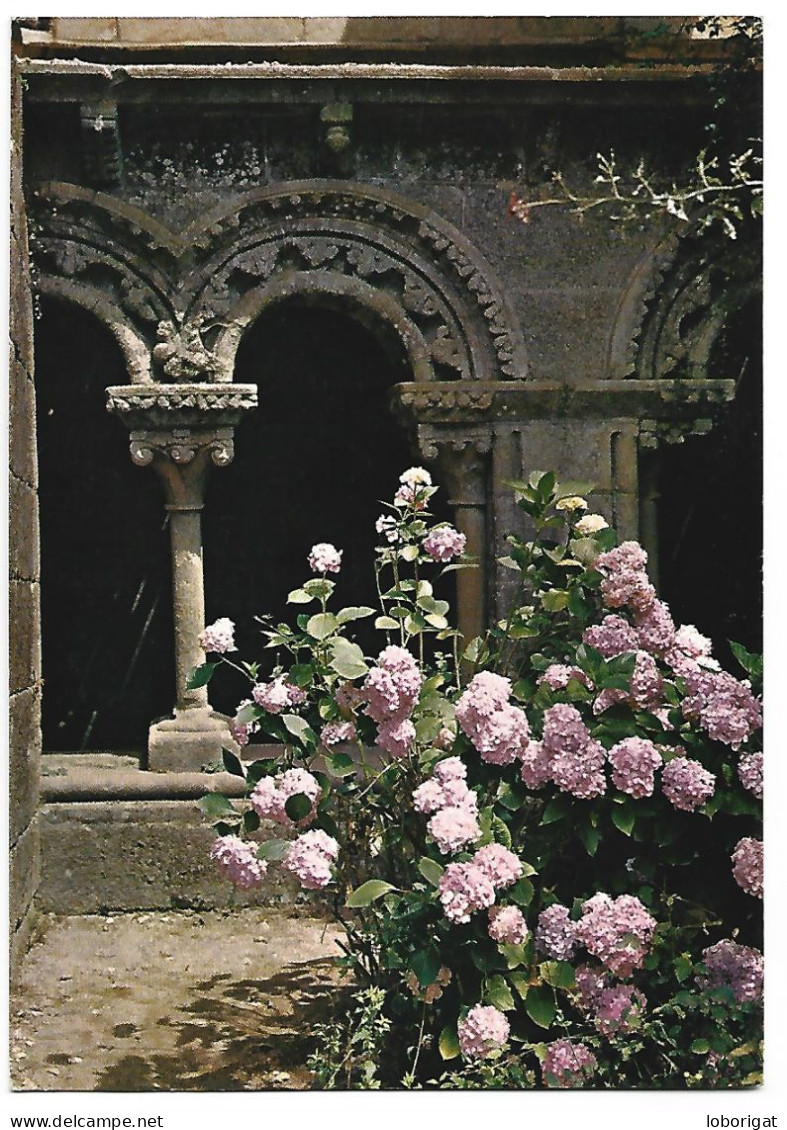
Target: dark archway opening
<point x="106" y="606"/>
<point x="710" y="506"/>
<point x="311" y="465"/>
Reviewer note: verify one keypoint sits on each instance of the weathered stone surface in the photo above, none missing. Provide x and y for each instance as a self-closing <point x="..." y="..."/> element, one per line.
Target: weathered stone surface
<point x="25" y="632"/>
<point x="24" y="876"/>
<point x="24" y="558"/>
<point x="175" y="1001"/>
<point x="115" y="855"/>
<point x="22" y="414"/>
<point x="24" y="741"/>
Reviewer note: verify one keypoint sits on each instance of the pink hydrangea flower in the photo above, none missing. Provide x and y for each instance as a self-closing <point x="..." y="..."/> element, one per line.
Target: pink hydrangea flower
<point x="557" y="676"/>
<point x="453" y="827"/>
<point x="691" y="642"/>
<point x="391" y="688"/>
<point x="576" y="760"/>
<point x="416" y="477"/>
<point x="736" y="966"/>
<point x="218" y="637"/>
<point x="655" y="628"/>
<point x="500" y="864"/>
<point x="325" y="558"/>
<point x="590" y="984"/>
<point x="483" y="1031"/>
<point x="237" y="861"/>
<point x="723" y="706"/>
<point x="277" y="695"/>
<point x="270" y="797"/>
<point x="556" y="933"/>
<point x="619" y="1008"/>
<point x="444" y="543"/>
<point x="612" y="637"/>
<point x="748" y="866"/>
<point x="450" y="769"/>
<point x="333" y="733"/>
<point x="625" y="582"/>
<point x="309" y="858"/>
<point x="536" y="765"/>
<point x="498" y="730"/>
<point x="507" y="925"/>
<point x="634" y="763"/>
<point x="750" y="773"/>
<point x="616" y="931"/>
<point x="464" y="888"/>
<point x="242" y="731"/>
<point x="567" y="1064"/>
<point x="687" y="784"/>
<point x="396" y="736"/>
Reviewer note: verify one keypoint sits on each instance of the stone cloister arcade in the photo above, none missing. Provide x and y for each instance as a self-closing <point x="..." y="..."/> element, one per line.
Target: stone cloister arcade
<point x="380" y="202"/>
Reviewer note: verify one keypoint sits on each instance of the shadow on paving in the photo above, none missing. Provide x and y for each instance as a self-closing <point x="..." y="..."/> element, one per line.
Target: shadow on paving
<point x="235" y="1035"/>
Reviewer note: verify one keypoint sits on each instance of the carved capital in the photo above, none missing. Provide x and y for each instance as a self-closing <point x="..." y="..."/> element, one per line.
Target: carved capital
<point x="180" y="430"/>
<point x="653" y="433"/>
<point x="461" y="460"/>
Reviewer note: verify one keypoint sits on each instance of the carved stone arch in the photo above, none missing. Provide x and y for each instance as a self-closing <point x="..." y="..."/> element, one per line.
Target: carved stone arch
<point x="709" y="280"/>
<point x="112" y="259"/>
<point x="420" y="273"/>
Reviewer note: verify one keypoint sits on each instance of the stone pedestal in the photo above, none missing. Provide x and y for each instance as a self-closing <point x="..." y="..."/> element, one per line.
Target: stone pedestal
<point x="180" y="430"/>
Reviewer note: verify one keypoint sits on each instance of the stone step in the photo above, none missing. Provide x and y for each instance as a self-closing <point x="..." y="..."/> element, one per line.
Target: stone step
<point x="115" y="837"/>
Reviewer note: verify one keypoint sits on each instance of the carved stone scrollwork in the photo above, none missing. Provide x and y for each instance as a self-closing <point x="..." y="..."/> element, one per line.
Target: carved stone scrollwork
<point x="179" y="303"/>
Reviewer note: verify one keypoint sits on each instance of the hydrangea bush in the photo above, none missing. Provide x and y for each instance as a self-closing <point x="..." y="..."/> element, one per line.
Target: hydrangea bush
<point x="543" y="845"/>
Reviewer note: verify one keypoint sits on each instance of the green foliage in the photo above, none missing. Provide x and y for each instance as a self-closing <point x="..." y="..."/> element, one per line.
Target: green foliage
<point x="413" y="973"/>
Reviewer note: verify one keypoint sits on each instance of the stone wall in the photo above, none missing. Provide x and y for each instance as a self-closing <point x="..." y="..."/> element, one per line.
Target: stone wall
<point x="25" y="647"/>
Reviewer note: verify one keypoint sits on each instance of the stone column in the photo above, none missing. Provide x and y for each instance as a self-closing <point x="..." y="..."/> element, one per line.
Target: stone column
<point x="200" y="434"/>
<point x="461" y="461"/>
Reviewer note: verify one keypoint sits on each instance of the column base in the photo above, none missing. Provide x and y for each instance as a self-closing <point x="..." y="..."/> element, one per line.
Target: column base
<point x="189" y="741"/>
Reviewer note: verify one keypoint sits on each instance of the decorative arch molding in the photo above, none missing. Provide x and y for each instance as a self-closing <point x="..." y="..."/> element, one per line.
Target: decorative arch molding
<point x="184" y="300"/>
<point x="677" y="301"/>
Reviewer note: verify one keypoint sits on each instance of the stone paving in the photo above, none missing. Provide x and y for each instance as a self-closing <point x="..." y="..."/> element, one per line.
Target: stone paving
<point x="172" y="1001"/>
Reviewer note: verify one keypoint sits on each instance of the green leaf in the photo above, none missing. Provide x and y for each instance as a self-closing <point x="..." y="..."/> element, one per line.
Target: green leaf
<point x="501" y="832"/>
<point x="258" y="769"/>
<point x="386" y="623"/>
<point x="232" y="763"/>
<point x="555" y="600"/>
<point x="301" y="674"/>
<point x="700" y="1047"/>
<point x="514" y="955"/>
<point x="298" y="806"/>
<point x="299" y="596"/>
<point x="431" y="870"/>
<point x="409" y="553"/>
<point x="251" y="821"/>
<point x="540" y="1005"/>
<point x="589" y="836"/>
<point x="557" y="808"/>
<point x="347" y="659"/>
<point x="339" y="764"/>
<point x="426" y="965"/>
<point x="299" y="728"/>
<point x="355" y="612"/>
<point x="272" y="849"/>
<point x="368" y="892"/>
<point x="436" y="621"/>
<point x="201" y="676"/>
<point x="624" y="818"/>
<point x="214" y="804"/>
<point x="521" y="983"/>
<point x="749" y="660"/>
<point x="683" y="966"/>
<point x="319" y="587"/>
<point x="521" y="892"/>
<point x="498" y="993"/>
<point x="559" y="974"/>
<point x="322" y="625"/>
<point x="449" y="1042"/>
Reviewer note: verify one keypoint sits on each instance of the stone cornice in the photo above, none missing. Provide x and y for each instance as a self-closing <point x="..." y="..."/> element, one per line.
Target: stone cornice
<point x="181" y="405"/>
<point x="454" y="403"/>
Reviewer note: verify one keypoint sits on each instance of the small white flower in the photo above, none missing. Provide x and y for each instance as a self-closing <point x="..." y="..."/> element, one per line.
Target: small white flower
<point x="591" y="524"/>
<point x="325" y="558"/>
<point x="416" y="477"/>
<point x="573" y="502"/>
